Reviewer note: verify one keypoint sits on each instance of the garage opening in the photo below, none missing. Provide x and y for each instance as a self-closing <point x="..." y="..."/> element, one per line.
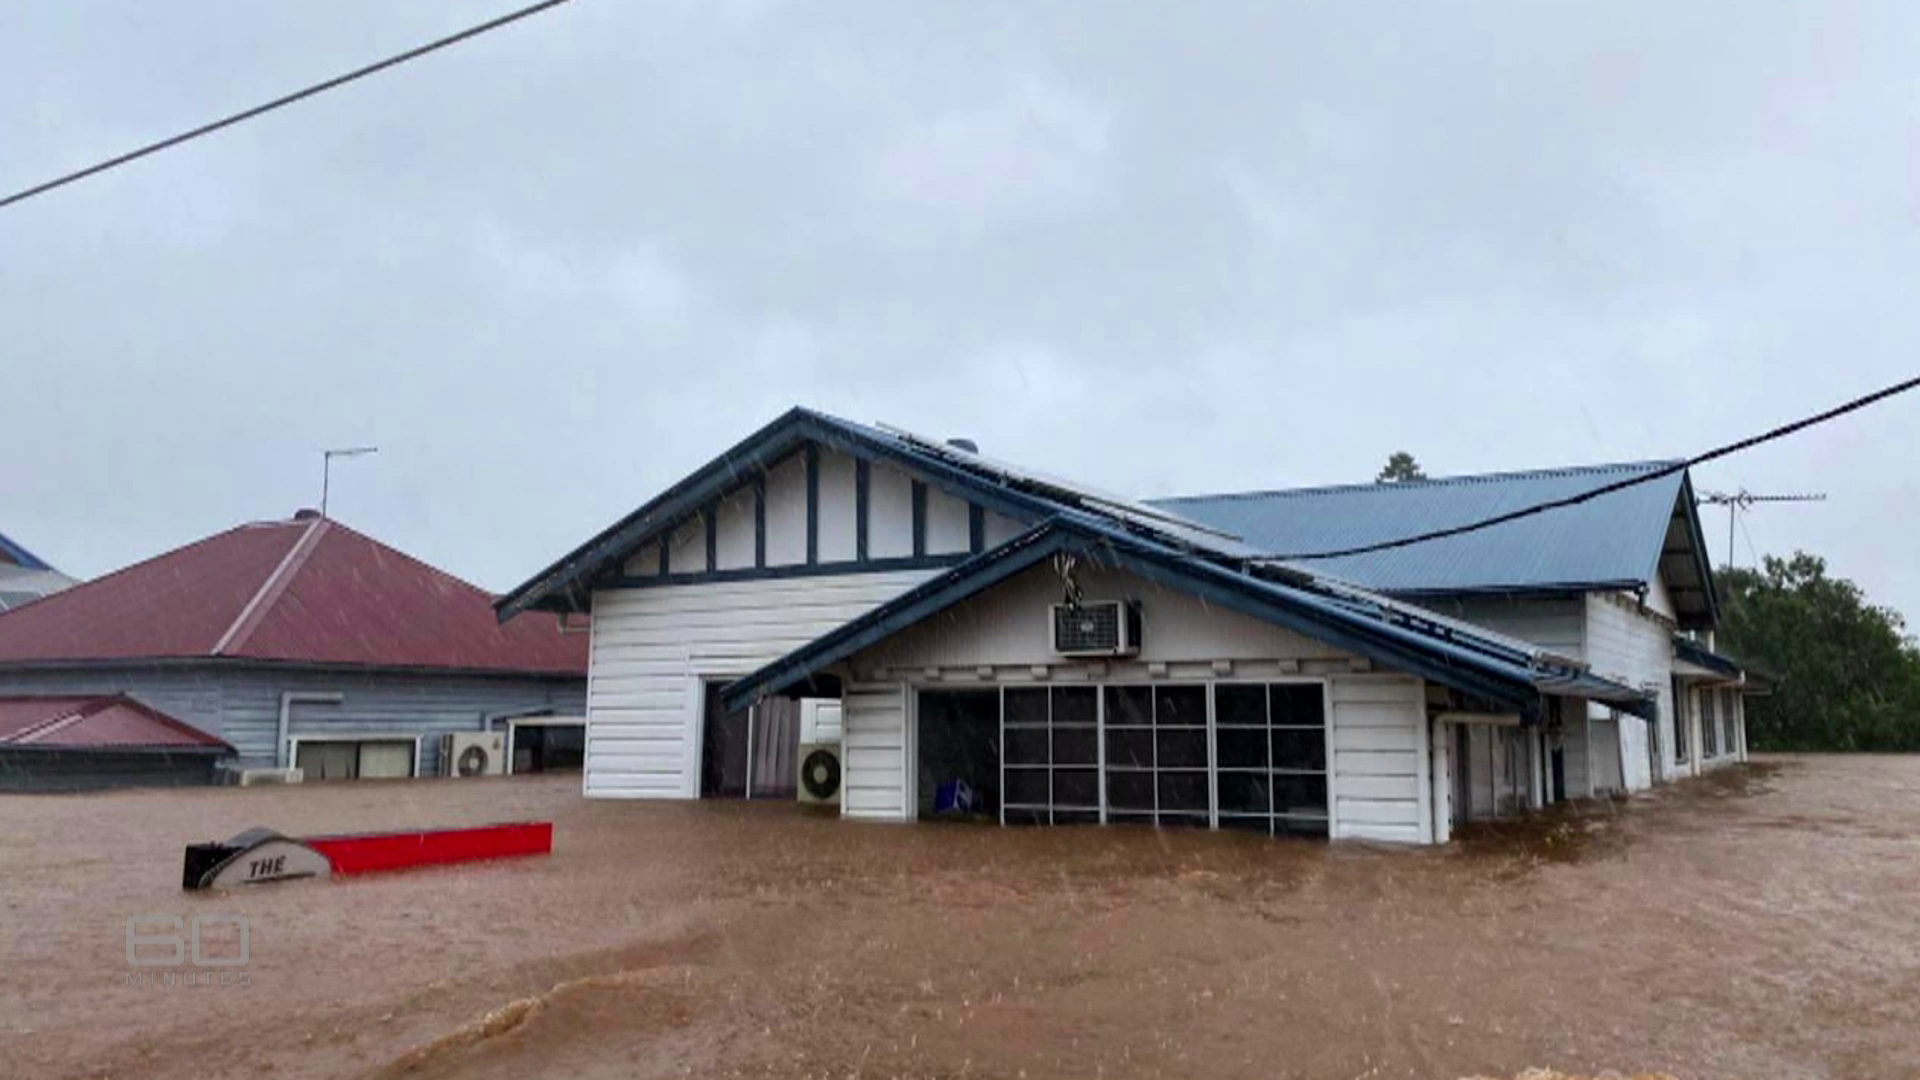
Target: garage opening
<point x="1270" y="746"/>
<point x="1157" y="755"/>
<point x="355" y="759"/>
<point x="1195" y="755"/>
<point x="1053" y="755"/>
<point x="959" y="754"/>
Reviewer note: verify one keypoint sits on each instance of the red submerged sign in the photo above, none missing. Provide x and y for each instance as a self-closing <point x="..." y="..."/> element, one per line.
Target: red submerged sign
<point x="262" y="855"/>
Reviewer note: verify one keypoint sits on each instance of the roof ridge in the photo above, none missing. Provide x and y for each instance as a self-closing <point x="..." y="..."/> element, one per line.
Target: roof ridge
<point x="271" y="590"/>
<point x="60" y="721"/>
<point x="1432" y="482"/>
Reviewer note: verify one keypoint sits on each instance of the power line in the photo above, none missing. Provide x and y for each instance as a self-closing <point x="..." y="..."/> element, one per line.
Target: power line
<point x="279" y="102"/>
<point x="1618" y="485"/>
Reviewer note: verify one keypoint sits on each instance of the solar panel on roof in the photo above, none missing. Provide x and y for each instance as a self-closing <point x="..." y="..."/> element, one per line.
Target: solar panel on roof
<point x="1118" y="506"/>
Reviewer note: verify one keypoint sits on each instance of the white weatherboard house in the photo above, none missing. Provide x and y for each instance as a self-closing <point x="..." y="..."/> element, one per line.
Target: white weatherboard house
<point x="1072" y="657"/>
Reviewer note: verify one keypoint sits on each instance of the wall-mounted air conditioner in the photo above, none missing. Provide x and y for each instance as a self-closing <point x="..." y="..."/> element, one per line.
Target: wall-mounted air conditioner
<point x="473" y="753"/>
<point x="1095" y="628"/>
<point x="820" y="773"/>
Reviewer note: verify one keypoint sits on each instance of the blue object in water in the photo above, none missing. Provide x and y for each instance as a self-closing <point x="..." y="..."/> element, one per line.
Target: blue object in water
<point x="954" y="797"/>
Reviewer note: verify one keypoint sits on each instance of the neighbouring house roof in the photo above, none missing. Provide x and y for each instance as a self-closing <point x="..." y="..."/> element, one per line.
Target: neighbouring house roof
<point x="20" y="587"/>
<point x="305" y="591"/>
<point x="1397" y="636"/>
<point x="12" y="554"/>
<point x="25" y="577"/>
<point x="97" y="723"/>
<point x="1612" y="541"/>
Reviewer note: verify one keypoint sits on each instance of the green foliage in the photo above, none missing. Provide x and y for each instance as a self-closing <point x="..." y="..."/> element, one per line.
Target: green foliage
<point x="1851" y="675"/>
<point x="1400" y="466"/>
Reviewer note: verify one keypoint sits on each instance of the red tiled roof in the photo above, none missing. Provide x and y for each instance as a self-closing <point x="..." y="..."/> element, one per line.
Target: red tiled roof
<point x="303" y="591"/>
<point x="95" y="722"/>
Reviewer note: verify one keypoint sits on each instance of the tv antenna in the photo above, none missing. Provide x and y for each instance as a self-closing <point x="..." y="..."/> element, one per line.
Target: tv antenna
<point x="326" y="468"/>
<point x="1743" y="500"/>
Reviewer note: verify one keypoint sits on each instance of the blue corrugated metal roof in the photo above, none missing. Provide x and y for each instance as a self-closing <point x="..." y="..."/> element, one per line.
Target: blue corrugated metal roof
<point x="1612" y="542"/>
<point x="1615" y="540"/>
<point x="1450" y="654"/>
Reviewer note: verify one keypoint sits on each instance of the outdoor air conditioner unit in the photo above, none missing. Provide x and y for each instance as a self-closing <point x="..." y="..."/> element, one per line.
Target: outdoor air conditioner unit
<point x="254" y="777"/>
<point x="473" y="753"/>
<point x="820" y="773"/>
<point x="1100" y="628"/>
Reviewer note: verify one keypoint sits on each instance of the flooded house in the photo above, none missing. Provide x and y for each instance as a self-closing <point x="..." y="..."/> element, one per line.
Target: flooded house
<point x="286" y="644"/>
<point x="904" y="627"/>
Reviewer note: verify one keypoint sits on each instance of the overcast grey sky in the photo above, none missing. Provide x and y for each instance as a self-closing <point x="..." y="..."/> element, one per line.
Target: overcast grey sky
<point x="1161" y="249"/>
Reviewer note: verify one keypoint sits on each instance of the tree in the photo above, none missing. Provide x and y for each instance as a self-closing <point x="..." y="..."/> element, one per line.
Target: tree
<point x="1850" y="674"/>
<point x="1400" y="467"/>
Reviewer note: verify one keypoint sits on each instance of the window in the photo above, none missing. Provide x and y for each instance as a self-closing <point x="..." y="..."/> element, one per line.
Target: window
<point x="1270" y="745"/>
<point x="1709" y="725"/>
<point x="354" y="759"/>
<point x="1050" y="763"/>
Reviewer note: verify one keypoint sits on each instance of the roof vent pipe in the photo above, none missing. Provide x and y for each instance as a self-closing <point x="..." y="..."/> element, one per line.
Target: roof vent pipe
<point x="968" y="445"/>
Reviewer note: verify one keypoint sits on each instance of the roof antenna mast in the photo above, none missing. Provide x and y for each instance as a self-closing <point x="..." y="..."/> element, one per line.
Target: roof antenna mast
<point x="326" y="468"/>
<point x="1743" y="500"/>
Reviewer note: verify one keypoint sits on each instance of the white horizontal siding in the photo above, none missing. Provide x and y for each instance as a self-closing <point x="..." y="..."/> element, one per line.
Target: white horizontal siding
<point x="1380" y="784"/>
<point x="874" y="752"/>
<point x="1630" y="647"/>
<point x="654" y="648"/>
<point x="1008" y="626"/>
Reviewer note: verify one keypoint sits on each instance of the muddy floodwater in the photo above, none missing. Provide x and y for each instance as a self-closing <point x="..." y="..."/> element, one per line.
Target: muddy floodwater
<point x="1759" y="924"/>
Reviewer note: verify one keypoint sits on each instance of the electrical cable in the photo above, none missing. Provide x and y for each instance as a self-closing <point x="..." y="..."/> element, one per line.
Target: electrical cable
<point x="280" y="102"/>
<point x="1607" y="489"/>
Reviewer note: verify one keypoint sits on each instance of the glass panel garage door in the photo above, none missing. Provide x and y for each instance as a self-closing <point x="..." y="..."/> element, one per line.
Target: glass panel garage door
<point x="1050" y="739"/>
<point x="1157" y="754"/>
<point x="1270" y="742"/>
<point x="1170" y="754"/>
